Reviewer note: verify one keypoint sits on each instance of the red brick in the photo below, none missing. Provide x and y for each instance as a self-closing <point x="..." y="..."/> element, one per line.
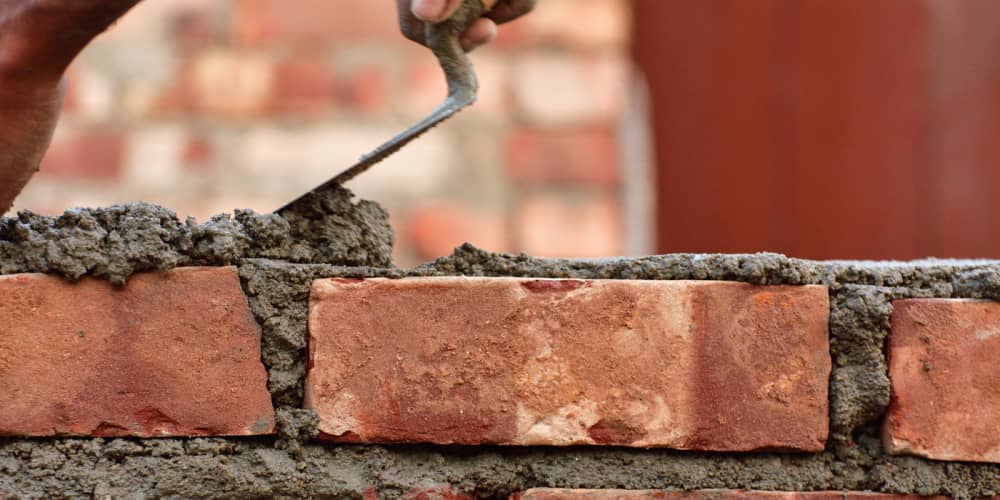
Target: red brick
<point x="314" y="21"/>
<point x="368" y="90"/>
<point x="194" y="27"/>
<point x="303" y="85"/>
<point x="563" y="156"/>
<point x="198" y="153"/>
<point x="680" y="364"/>
<point x="557" y="494"/>
<point x="567" y="89"/>
<point x="571" y="225"/>
<point x="170" y="354"/>
<point x="435" y="230"/>
<point x="945" y="380"/>
<point x="96" y="153"/>
<point x="597" y="25"/>
<point x="424" y="89"/>
<point x="435" y="493"/>
<point x="230" y="84"/>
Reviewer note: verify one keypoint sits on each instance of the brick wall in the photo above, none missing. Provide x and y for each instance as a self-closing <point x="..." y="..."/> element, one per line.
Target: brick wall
<point x="220" y="364"/>
<point x="204" y="106"/>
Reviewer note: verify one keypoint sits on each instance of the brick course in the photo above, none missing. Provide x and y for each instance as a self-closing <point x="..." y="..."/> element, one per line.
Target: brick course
<point x="688" y="365"/>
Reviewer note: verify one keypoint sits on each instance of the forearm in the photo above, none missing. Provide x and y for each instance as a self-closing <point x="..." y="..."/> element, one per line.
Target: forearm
<point x="38" y="41"/>
<point x="39" y="38"/>
<point x="25" y="132"/>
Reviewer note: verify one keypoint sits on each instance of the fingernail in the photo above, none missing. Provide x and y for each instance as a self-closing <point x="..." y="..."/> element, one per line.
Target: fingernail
<point x="429" y="10"/>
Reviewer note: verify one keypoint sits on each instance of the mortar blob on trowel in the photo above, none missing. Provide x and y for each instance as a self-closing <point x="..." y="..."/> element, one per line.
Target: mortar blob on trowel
<point x="444" y="41"/>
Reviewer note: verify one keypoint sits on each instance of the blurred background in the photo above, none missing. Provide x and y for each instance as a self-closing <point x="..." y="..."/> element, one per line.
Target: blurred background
<point x="816" y="128"/>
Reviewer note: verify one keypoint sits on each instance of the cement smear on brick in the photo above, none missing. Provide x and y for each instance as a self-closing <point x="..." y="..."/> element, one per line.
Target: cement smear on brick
<point x="276" y="270"/>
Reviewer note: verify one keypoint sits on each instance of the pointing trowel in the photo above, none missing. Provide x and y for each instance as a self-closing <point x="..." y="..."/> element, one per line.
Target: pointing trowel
<point x="444" y="41"/>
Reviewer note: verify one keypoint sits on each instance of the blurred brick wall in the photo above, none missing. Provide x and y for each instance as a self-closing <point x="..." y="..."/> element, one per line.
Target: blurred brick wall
<point x="209" y="105"/>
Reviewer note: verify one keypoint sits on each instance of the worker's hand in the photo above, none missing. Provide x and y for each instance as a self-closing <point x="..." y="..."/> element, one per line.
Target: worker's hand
<point x="38" y="40"/>
<point x="413" y="14"/>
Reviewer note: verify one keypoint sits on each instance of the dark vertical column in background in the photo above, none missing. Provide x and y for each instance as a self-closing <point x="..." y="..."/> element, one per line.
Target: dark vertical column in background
<point x="825" y="128"/>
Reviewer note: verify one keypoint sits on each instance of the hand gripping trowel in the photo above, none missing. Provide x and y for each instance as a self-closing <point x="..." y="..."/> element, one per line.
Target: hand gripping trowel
<point x="443" y="40"/>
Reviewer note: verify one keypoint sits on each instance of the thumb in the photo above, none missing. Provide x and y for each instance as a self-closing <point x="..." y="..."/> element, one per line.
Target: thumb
<point x="434" y="11"/>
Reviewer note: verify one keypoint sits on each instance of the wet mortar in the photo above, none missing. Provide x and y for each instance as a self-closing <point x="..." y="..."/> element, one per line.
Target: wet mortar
<point x="279" y="256"/>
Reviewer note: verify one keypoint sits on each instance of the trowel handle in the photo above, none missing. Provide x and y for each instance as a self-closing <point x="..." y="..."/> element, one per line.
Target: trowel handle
<point x="466" y="14"/>
<point x="444" y="39"/>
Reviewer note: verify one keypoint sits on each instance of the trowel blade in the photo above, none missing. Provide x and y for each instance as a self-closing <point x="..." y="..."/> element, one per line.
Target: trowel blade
<point x="444" y="40"/>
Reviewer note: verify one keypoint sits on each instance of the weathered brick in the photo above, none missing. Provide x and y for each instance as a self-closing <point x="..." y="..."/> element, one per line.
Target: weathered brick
<point x="422" y="493"/>
<point x="680" y="364"/>
<point x="945" y="380"/>
<point x="170" y="354"/>
<point x="558" y="494"/>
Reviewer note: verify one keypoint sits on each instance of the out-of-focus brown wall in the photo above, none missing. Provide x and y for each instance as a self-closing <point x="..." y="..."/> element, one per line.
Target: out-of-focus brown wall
<point x="825" y="128"/>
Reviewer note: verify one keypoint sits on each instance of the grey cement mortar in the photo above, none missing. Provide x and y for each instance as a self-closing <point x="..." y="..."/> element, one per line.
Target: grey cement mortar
<point x="276" y="268"/>
<point x="121" y="240"/>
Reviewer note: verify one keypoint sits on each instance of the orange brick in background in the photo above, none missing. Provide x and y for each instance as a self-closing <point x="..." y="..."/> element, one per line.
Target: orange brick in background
<point x="304" y="86"/>
<point x="91" y="154"/>
<point x="170" y="354"/>
<point x="207" y="106"/>
<point x="435" y="229"/>
<point x="689" y="365"/>
<point x="943" y="362"/>
<point x="557" y="494"/>
<point x="571" y="223"/>
<point x="584" y="156"/>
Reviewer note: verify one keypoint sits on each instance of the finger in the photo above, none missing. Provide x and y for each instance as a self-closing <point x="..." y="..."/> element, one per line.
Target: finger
<point x="481" y="32"/>
<point x="411" y="27"/>
<point x="508" y="10"/>
<point x="434" y="11"/>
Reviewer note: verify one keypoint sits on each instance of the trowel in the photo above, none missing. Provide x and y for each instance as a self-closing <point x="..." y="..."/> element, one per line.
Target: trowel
<point x="444" y="41"/>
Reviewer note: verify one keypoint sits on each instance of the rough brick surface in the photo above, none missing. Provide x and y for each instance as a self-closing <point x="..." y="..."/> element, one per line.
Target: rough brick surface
<point x="557" y="494"/>
<point x="681" y="364"/>
<point x="943" y="362"/>
<point x="170" y="354"/>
